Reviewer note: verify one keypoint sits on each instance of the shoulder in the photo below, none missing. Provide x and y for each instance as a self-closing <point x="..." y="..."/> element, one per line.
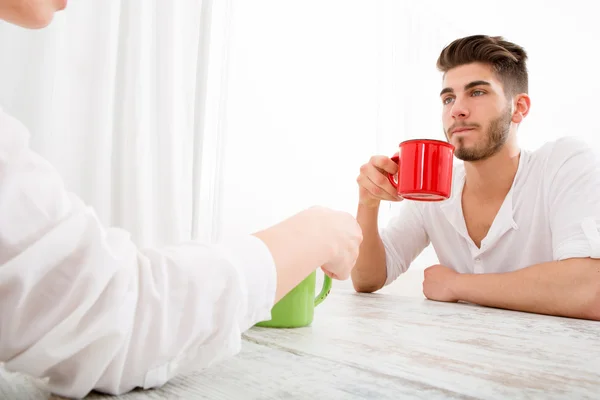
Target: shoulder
<point x="568" y="161"/>
<point x="557" y="153"/>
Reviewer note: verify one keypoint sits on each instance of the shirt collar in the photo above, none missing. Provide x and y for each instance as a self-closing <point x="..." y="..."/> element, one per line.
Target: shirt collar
<point x="504" y="220"/>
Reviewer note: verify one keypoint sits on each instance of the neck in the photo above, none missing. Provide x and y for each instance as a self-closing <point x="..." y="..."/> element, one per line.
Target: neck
<point x="493" y="177"/>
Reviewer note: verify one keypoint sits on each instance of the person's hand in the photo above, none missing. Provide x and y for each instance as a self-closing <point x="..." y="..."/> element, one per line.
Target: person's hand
<point x="373" y="183"/>
<point x="438" y="283"/>
<point x="316" y="237"/>
<point x="343" y="234"/>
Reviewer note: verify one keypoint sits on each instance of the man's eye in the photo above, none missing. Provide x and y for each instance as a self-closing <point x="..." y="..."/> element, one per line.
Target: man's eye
<point x="477" y="93"/>
<point x="447" y="100"/>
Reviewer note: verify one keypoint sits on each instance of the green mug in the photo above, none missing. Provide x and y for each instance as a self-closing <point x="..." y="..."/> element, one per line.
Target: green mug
<point x="296" y="309"/>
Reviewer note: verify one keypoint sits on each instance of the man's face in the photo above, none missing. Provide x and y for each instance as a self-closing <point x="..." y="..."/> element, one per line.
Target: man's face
<point x="31" y="14"/>
<point x="476" y="114"/>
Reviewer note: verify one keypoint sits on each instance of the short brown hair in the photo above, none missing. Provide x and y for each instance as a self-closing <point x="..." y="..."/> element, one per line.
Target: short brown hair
<point x="507" y="59"/>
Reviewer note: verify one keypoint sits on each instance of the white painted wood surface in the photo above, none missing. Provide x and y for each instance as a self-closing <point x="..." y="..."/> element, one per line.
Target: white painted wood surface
<point x="383" y="346"/>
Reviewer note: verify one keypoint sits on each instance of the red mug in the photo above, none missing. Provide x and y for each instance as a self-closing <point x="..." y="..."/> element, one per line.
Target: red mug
<point x="424" y="170"/>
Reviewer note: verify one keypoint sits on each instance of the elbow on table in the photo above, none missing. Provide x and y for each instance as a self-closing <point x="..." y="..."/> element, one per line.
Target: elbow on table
<point x="368" y="280"/>
<point x="365" y="287"/>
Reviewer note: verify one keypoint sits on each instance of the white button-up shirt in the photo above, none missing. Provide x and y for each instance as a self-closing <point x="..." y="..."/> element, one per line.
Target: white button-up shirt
<point x="82" y="306"/>
<point x="552" y="212"/>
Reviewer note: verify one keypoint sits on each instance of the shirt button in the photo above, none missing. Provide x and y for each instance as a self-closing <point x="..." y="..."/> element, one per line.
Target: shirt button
<point x="478" y="259"/>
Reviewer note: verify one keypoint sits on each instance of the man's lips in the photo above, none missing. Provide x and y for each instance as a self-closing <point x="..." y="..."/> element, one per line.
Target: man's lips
<point x="461" y="129"/>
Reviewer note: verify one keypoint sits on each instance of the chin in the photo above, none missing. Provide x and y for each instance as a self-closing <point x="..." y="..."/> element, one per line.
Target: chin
<point x="459" y="142"/>
<point x="37" y="22"/>
<point x="43" y="16"/>
<point x="60" y="4"/>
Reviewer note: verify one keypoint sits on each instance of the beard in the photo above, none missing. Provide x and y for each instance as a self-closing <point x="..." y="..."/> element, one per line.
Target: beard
<point x="496" y="136"/>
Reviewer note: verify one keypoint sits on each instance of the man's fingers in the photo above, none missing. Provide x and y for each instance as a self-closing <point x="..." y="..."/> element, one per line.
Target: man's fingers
<point x="377" y="183"/>
<point x="376" y="191"/>
<point x="382" y="189"/>
<point x="384" y="164"/>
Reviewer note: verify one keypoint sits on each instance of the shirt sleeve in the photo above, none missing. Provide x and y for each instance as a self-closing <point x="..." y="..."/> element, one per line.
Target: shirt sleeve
<point x="404" y="238"/>
<point x="574" y="199"/>
<point x="83" y="308"/>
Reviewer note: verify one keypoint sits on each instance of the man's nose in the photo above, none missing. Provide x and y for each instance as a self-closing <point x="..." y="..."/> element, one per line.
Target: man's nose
<point x="459" y="110"/>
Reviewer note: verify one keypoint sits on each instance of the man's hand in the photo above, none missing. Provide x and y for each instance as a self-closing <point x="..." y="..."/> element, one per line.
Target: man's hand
<point x="374" y="184"/>
<point x="438" y="283"/>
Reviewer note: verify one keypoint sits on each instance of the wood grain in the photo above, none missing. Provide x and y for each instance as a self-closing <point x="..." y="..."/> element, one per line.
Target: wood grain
<point x="389" y="347"/>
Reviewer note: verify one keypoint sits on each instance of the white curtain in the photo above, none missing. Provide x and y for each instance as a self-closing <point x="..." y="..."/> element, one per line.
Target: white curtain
<point x="123" y="98"/>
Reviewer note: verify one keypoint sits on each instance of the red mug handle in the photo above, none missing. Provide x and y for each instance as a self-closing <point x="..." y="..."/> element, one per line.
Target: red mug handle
<point x="395" y="158"/>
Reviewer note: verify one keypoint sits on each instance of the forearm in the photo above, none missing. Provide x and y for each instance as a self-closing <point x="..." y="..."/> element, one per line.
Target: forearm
<point x="297" y="250"/>
<point x="369" y="273"/>
<point x="569" y="288"/>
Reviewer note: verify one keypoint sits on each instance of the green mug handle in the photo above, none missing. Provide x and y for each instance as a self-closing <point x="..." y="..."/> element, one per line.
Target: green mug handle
<point x="327" y="283"/>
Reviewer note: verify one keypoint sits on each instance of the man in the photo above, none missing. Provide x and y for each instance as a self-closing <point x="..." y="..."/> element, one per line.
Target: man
<point x="520" y="230"/>
<point x="81" y="305"/>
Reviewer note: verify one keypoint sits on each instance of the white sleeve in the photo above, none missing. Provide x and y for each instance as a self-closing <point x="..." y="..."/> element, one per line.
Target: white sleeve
<point x="404" y="238"/>
<point x="84" y="309"/>
<point x="573" y="188"/>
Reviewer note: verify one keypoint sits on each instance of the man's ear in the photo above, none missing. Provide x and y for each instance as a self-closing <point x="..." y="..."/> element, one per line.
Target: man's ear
<point x="522" y="104"/>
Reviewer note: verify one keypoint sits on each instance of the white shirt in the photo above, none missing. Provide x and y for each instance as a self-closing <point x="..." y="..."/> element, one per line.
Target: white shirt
<point x="552" y="212"/>
<point x="81" y="305"/>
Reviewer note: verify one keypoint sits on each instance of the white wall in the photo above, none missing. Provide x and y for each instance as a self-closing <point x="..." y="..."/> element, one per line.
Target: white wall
<point x="302" y="108"/>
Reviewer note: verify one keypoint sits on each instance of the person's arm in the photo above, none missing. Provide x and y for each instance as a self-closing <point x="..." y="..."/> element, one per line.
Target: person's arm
<point x="384" y="255"/>
<point x="387" y="253"/>
<point x="81" y="305"/>
<point x="316" y="237"/>
<point x="568" y="286"/>
<point x="369" y="274"/>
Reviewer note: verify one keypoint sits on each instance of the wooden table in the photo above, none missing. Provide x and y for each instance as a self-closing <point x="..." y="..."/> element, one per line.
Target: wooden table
<point x="392" y="347"/>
